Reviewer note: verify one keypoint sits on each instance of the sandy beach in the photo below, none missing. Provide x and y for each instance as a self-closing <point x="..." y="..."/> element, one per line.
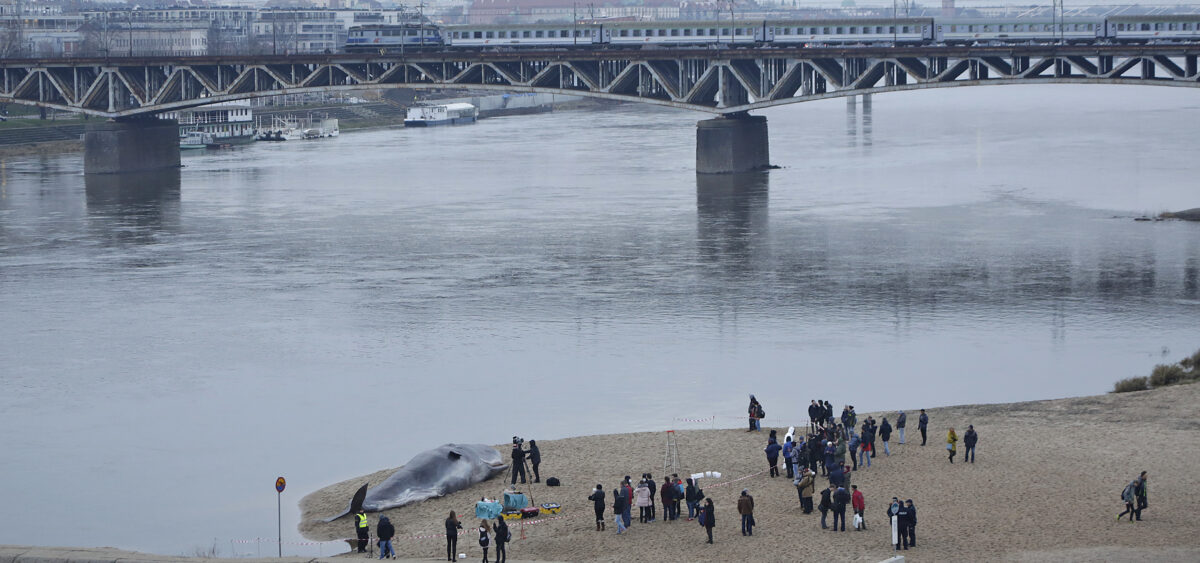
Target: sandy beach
<point x="1045" y="486"/>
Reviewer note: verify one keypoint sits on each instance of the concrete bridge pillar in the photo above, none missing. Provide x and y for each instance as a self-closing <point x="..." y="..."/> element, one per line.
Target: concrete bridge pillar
<point x="136" y="145"/>
<point x="731" y="144"/>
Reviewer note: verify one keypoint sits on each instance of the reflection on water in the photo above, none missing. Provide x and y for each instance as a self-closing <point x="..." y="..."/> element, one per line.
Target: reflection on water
<point x="133" y="208"/>
<point x="731" y="212"/>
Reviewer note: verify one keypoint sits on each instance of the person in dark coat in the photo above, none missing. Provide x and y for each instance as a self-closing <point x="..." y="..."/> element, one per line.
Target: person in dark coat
<point x="627" y="489"/>
<point x="708" y="518"/>
<point x="826" y="504"/>
<point x="518" y="462"/>
<point x="969" y="440"/>
<point x="620" y="505"/>
<point x="653" y="489"/>
<point x="535" y="459"/>
<point x="772" y="450"/>
<point x="452" y="528"/>
<point x="501" y="529"/>
<point x="912" y="523"/>
<point x="691" y="495"/>
<point x="900" y="422"/>
<point x="841" y="498"/>
<point x="814" y="415"/>
<point x="837" y="476"/>
<point x="885" y="434"/>
<point x="597" y="498"/>
<point x="904" y="517"/>
<point x="923" y="425"/>
<point x="385" y="530"/>
<point x="1142" y="493"/>
<point x="667" y="494"/>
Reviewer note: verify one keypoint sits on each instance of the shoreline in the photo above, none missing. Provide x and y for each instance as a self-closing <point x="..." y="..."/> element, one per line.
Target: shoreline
<point x="1044" y="488"/>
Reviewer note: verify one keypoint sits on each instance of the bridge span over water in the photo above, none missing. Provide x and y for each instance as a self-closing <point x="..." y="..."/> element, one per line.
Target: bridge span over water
<point x="728" y="82"/>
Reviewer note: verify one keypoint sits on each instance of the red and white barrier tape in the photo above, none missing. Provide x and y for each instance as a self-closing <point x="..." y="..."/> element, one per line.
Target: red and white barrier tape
<point x="705" y="419"/>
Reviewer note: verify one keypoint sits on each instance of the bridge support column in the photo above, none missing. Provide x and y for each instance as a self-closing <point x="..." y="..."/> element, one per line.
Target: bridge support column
<point x="731" y="144"/>
<point x="139" y="145"/>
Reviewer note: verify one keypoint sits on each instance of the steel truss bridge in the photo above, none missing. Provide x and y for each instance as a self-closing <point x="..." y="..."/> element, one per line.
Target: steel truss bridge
<point x="730" y="80"/>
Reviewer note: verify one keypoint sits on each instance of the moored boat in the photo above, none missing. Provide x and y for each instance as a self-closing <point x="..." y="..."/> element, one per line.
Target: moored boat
<point x="446" y="114"/>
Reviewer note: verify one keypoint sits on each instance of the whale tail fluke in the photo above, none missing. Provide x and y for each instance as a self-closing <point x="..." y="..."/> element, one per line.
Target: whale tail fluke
<point x="356" y="503"/>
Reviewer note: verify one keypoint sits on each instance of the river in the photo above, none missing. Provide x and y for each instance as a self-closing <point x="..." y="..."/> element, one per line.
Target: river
<point x="171" y="344"/>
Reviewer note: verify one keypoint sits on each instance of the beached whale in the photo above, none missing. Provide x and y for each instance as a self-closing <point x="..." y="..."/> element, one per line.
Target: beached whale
<point x="429" y="474"/>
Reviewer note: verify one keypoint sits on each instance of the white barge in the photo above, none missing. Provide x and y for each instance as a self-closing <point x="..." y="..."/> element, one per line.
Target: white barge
<point x="447" y="114"/>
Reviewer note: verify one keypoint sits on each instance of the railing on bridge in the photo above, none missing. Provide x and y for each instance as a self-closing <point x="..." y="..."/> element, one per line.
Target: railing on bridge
<point x="722" y="81"/>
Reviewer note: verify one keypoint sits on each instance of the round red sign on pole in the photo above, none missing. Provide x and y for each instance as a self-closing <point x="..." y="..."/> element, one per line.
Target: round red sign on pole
<point x="280" y="483"/>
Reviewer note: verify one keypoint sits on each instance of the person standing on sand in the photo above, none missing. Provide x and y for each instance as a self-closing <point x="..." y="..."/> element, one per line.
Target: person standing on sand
<point x="814" y="414"/>
<point x="692" y="496"/>
<point x="922" y="425"/>
<point x="627" y="489"/>
<point x="501" y="529"/>
<point x="969" y="440"/>
<point x="385" y="530"/>
<point x="885" y="433"/>
<point x="853" y="444"/>
<point x="620" y="503"/>
<point x="653" y="489"/>
<point x="903" y="516"/>
<point x="452" y="528"/>
<point x="535" y="459"/>
<point x="641" y="497"/>
<point x="597" y="498"/>
<point x="951" y="443"/>
<point x="859" y="503"/>
<point x="666" y="493"/>
<point x="900" y="422"/>
<point x="362" y="529"/>
<point x="746" y="509"/>
<point x="788" y="446"/>
<point x="912" y="523"/>
<point x="518" y="461"/>
<point x="484" y="540"/>
<point x="772" y="451"/>
<point x="840" y="499"/>
<point x="826" y="504"/>
<point x="805" y="485"/>
<point x="708" y="518"/>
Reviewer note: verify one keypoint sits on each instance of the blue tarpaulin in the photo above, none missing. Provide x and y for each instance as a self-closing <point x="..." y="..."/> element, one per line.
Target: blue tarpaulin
<point x="515" y="501"/>
<point x="488" y="510"/>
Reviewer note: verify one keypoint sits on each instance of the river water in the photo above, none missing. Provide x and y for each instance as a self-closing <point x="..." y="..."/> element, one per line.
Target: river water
<point x="319" y="310"/>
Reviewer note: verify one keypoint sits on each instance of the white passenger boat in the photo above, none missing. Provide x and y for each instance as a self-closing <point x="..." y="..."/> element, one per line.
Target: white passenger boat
<point x="447" y="114"/>
<point x="296" y="128"/>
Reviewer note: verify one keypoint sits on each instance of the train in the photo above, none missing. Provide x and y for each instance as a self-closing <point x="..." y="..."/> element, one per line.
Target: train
<point x="420" y="36"/>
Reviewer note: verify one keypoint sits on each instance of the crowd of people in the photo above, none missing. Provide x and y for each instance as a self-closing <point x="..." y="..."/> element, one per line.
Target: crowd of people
<point x="815" y="460"/>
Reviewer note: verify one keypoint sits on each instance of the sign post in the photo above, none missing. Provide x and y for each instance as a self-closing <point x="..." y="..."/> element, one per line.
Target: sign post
<point x="280" y="483"/>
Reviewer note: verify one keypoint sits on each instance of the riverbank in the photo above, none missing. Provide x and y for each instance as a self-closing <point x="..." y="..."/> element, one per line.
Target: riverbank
<point x="1045" y="486"/>
<point x="63" y="136"/>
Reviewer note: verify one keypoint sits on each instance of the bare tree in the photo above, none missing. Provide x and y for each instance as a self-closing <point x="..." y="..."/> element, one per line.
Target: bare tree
<point x="12" y="34"/>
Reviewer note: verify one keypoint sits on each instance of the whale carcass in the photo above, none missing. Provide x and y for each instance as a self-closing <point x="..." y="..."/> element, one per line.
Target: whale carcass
<point x="429" y="474"/>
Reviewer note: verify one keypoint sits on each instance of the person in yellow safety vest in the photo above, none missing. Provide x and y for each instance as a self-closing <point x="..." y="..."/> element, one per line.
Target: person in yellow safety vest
<point x="363" y="530"/>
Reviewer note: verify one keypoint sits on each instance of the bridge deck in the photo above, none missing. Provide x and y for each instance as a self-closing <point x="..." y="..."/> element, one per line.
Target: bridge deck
<point x="717" y="80"/>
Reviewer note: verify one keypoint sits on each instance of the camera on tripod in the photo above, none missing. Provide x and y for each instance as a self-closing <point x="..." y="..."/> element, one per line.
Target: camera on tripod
<point x="517" y="440"/>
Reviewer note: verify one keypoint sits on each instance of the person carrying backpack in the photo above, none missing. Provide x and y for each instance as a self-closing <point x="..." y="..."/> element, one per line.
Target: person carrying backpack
<point x="1128" y="495"/>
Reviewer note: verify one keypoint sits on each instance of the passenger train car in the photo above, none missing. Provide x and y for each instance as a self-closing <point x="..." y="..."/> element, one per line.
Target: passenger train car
<point x="798" y="32"/>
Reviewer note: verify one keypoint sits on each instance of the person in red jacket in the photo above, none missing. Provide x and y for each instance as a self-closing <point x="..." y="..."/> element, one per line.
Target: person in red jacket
<point x="860" y="505"/>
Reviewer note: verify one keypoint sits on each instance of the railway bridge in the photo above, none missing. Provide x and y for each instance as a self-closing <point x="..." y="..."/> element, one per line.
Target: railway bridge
<point x="726" y="82"/>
